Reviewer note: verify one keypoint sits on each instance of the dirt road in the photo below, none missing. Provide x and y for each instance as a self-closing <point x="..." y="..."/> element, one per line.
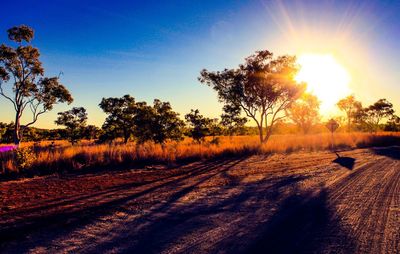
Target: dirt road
<point x="297" y="203"/>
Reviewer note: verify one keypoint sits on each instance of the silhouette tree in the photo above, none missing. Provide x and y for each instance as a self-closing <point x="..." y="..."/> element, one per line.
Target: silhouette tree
<point x="263" y="87"/>
<point x="157" y="123"/>
<point x="126" y="117"/>
<point x="393" y="124"/>
<point x="199" y="125"/>
<point x="3" y="130"/>
<point x="378" y="111"/>
<point x="359" y="119"/>
<point x="119" y="121"/>
<point x="305" y="112"/>
<point x="8" y="134"/>
<point x="91" y="132"/>
<point x="216" y="128"/>
<point x="75" y="121"/>
<point x="21" y="67"/>
<point x="352" y="109"/>
<point x="232" y="121"/>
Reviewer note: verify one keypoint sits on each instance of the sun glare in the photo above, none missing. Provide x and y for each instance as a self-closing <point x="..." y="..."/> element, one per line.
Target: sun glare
<point x="325" y="78"/>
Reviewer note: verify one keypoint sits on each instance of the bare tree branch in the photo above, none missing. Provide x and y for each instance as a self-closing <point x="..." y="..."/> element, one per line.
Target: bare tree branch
<point x="35" y="118"/>
<point x="7" y="97"/>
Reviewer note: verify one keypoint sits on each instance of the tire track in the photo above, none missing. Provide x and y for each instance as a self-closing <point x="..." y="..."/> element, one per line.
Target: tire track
<point x="363" y="201"/>
<point x="225" y="206"/>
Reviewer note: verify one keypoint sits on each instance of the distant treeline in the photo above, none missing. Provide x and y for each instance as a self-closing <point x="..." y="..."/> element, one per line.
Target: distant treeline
<point x="198" y="128"/>
<point x="91" y="132"/>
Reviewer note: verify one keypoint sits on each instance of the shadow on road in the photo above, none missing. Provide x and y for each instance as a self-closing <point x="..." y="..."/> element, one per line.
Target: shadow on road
<point x="347" y="162"/>
<point x="300" y="225"/>
<point x="76" y="217"/>
<point x="391" y="152"/>
<point x="267" y="215"/>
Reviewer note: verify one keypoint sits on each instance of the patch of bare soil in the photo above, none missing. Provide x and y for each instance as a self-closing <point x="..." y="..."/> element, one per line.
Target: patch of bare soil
<point x="297" y="203"/>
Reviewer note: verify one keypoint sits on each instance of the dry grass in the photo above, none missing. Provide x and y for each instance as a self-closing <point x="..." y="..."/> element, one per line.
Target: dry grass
<point x="63" y="157"/>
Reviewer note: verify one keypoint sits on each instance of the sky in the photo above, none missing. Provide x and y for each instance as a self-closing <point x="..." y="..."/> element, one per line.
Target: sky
<point x="156" y="49"/>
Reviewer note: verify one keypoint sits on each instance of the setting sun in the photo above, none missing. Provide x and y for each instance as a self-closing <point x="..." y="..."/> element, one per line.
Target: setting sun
<point x="325" y="78"/>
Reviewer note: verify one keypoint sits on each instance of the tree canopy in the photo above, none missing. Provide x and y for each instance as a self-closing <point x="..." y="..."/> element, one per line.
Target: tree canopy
<point x="368" y="118"/>
<point x="157" y="123"/>
<point x="128" y="118"/>
<point x="200" y="126"/>
<point x="378" y="111"/>
<point x="351" y="107"/>
<point x="75" y="121"/>
<point x="21" y="68"/>
<point x="263" y="88"/>
<point x="120" y="113"/>
<point x="305" y="112"/>
<point x="231" y="120"/>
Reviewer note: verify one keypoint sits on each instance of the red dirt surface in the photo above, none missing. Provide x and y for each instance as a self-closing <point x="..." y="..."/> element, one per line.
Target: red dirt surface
<point x="297" y="203"/>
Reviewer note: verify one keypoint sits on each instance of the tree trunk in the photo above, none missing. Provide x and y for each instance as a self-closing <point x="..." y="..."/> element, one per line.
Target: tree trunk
<point x="260" y="129"/>
<point x="268" y="131"/>
<point x="348" y="123"/>
<point x="267" y="135"/>
<point x="126" y="136"/>
<point x="17" y="130"/>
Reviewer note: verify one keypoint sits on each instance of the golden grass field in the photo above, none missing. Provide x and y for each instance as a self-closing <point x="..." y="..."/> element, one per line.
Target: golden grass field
<point x="61" y="156"/>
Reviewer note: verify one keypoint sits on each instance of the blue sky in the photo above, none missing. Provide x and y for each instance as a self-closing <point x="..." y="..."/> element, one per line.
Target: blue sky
<point x="156" y="49"/>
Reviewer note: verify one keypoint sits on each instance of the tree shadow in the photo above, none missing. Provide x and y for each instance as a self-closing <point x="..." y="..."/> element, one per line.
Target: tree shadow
<point x="347" y="162"/>
<point x="73" y="217"/>
<point x="178" y="221"/>
<point x="299" y="223"/>
<point x="391" y="152"/>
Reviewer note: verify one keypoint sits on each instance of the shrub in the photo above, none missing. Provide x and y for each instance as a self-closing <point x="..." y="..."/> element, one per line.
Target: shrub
<point x="24" y="158"/>
<point x="215" y="141"/>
